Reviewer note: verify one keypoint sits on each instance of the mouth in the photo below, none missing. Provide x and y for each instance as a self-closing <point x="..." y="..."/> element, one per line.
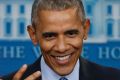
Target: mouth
<point x="62" y="60"/>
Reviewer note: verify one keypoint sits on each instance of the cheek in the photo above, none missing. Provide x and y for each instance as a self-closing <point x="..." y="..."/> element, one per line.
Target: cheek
<point x="46" y="46"/>
<point x="77" y="43"/>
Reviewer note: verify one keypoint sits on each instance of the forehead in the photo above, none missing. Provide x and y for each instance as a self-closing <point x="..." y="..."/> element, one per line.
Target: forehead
<point x="54" y="15"/>
<point x="51" y="19"/>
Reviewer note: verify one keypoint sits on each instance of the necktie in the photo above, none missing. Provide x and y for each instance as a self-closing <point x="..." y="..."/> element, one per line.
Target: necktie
<point x="63" y="78"/>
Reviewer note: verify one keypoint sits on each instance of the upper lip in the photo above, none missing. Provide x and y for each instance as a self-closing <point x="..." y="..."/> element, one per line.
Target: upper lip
<point x="57" y="54"/>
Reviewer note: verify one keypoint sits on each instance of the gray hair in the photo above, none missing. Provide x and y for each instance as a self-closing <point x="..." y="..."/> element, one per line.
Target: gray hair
<point x="55" y="5"/>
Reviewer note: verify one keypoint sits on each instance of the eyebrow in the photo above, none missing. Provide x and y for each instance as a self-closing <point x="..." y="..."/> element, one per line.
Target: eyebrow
<point x="45" y="34"/>
<point x="76" y="31"/>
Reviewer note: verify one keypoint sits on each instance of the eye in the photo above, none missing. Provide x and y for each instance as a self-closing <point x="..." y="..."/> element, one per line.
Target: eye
<point x="49" y="35"/>
<point x="72" y="33"/>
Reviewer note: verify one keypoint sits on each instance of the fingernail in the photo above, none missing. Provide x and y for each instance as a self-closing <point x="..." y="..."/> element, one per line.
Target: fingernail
<point x="24" y="66"/>
<point x="38" y="72"/>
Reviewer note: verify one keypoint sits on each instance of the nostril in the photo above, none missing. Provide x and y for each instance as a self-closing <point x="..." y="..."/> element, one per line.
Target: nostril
<point x="61" y="48"/>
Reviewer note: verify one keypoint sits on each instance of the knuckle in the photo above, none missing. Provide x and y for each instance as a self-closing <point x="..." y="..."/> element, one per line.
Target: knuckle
<point x="33" y="76"/>
<point x="15" y="78"/>
<point x="21" y="72"/>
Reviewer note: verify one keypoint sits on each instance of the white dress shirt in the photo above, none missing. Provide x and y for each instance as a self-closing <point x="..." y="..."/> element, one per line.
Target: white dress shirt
<point x="49" y="74"/>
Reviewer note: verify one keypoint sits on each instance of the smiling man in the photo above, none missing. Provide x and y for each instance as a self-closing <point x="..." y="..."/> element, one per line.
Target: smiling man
<point x="60" y="36"/>
<point x="59" y="27"/>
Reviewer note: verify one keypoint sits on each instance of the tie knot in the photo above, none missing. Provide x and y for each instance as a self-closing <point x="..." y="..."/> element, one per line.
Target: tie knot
<point x="63" y="78"/>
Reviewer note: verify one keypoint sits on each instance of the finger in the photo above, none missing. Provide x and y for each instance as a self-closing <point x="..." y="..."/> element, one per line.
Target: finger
<point x="19" y="74"/>
<point x="1" y="79"/>
<point x="34" y="76"/>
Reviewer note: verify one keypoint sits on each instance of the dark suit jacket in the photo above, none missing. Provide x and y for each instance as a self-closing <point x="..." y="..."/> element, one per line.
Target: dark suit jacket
<point x="87" y="71"/>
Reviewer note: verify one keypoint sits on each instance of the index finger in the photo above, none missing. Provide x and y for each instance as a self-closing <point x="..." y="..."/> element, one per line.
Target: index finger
<point x="19" y="74"/>
<point x="34" y="76"/>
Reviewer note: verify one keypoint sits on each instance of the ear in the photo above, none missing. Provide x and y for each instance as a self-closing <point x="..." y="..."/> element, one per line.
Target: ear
<point x="86" y="28"/>
<point x="32" y="34"/>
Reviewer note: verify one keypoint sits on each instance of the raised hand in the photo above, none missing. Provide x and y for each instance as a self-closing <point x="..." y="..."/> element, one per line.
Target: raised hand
<point x="19" y="74"/>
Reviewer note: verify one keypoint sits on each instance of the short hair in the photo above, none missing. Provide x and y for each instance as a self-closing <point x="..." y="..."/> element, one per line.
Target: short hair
<point x="55" y="5"/>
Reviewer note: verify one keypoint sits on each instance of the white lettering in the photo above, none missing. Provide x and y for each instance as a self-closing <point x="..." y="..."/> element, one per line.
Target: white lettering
<point x="104" y="52"/>
<point x="19" y="52"/>
<point x="12" y="52"/>
<point x="115" y="53"/>
<point x="36" y="50"/>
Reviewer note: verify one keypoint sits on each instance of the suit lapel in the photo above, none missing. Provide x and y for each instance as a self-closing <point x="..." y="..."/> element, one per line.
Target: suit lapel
<point x="84" y="70"/>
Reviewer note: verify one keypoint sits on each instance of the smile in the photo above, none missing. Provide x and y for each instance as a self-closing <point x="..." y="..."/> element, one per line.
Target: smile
<point x="62" y="58"/>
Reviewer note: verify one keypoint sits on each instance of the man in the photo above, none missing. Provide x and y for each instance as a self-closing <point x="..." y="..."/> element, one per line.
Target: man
<point x="59" y="27"/>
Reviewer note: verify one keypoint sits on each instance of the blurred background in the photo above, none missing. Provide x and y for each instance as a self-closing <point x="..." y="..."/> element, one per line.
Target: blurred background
<point x="16" y="48"/>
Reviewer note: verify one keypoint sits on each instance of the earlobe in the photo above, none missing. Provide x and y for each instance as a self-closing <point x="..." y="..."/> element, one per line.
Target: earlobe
<point x="86" y="28"/>
<point x="32" y="34"/>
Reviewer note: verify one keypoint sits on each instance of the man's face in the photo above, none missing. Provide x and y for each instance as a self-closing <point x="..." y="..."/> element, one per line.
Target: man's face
<point x="60" y="35"/>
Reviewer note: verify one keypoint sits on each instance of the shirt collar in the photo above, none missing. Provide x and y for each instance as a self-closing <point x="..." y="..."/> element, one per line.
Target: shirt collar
<point x="49" y="74"/>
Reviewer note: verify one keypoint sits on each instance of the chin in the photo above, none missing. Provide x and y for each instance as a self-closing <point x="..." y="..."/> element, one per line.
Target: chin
<point x="64" y="71"/>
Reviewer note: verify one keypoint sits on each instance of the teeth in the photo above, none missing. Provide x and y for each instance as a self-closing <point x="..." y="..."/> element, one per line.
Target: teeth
<point x="63" y="58"/>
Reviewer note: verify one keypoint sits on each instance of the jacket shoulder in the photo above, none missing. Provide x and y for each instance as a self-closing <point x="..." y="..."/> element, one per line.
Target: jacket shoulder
<point x="97" y="71"/>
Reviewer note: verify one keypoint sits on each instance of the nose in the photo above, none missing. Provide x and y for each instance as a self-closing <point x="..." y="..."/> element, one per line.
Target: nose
<point x="61" y="45"/>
